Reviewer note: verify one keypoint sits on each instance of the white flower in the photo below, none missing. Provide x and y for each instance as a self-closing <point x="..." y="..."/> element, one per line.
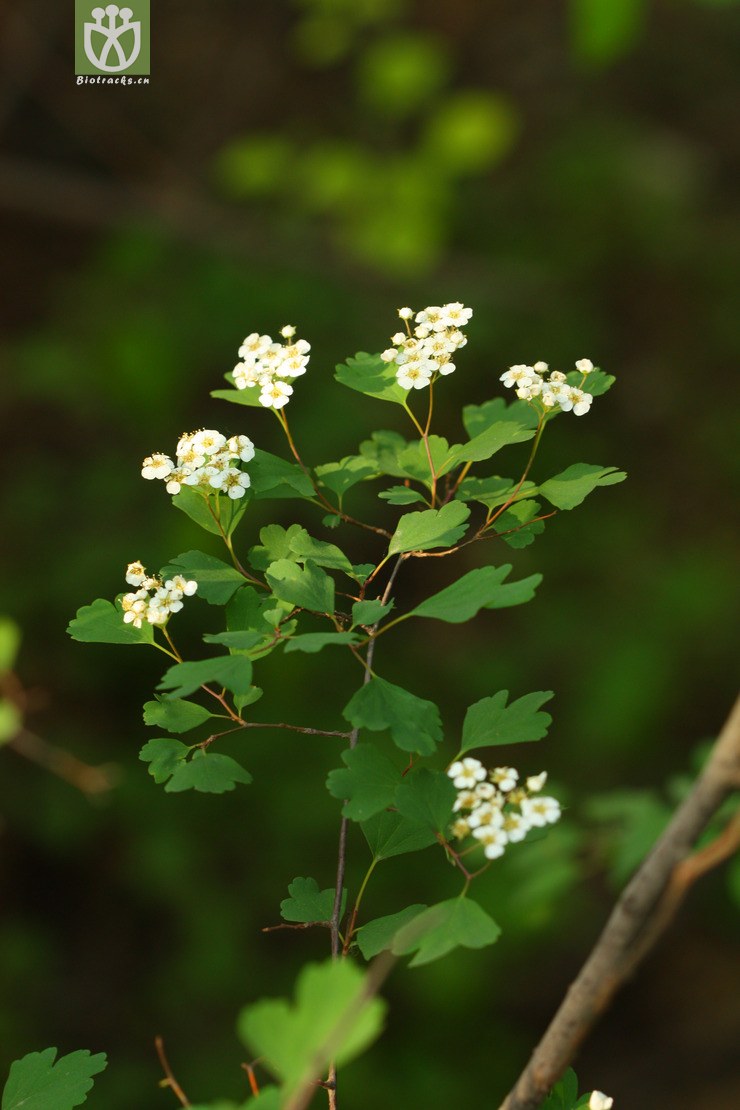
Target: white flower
<point x="505" y="778"/>
<point x="288" y="331"/>
<point x="494" y="839"/>
<point x="536" y="782"/>
<point x="276" y="395"/>
<point x="558" y="377"/>
<point x="548" y="398"/>
<point x="455" y="315"/>
<point x="581" y="407"/>
<point x="245" y="377"/>
<point x="460" y="829"/>
<point x="241" y="447"/>
<point x="184" y="585"/>
<point x="517" y="376"/>
<point x="600" y="1101"/>
<point x="485" y="791"/>
<point x="466" y="799"/>
<point x="486" y="814"/>
<point x="135" y="574"/>
<point x="389" y="355"/>
<point x="431" y="316"/>
<point x="515" y="826"/>
<point x="414" y="375"/>
<point x="405" y="313"/>
<point x="208" y="442"/>
<point x="540" y="367"/>
<point x="585" y="365"/>
<point x="176" y="478"/>
<point x="156" y="466"/>
<point x="540" y="811"/>
<point x="235" y="483"/>
<point x="465" y="773"/>
<point x="398" y="338"/>
<point x="254" y="346"/>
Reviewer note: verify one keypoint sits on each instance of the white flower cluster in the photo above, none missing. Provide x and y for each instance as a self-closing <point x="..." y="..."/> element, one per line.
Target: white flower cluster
<point x="154" y="601"/>
<point x="494" y="809"/>
<point x="428" y="350"/>
<point x="534" y="383"/>
<point x="268" y="364"/>
<point x="600" y="1101"/>
<point x="205" y="459"/>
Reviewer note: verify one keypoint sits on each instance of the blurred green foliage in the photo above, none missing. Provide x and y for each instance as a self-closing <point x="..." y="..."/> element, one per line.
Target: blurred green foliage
<point x="585" y="210"/>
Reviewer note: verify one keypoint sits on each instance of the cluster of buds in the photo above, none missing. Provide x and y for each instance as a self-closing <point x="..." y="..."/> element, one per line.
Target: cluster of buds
<point x="205" y="460"/>
<point x="551" y="389"/>
<point x="154" y="601"/>
<point x="268" y="365"/>
<point x="494" y="808"/>
<point x="426" y="351"/>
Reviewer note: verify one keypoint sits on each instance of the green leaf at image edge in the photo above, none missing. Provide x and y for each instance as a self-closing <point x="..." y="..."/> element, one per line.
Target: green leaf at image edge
<point x="36" y="1082"/>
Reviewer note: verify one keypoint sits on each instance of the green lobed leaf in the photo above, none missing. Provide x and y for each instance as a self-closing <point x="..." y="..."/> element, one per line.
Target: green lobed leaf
<point x="308" y="903"/>
<point x="378" y="935"/>
<point x="208" y="773"/>
<point x="478" y="418"/>
<point x="275" y="544"/>
<point x="564" y="1095"/>
<point x="229" y="510"/>
<point x="367" y="782"/>
<point x="483" y="588"/>
<point x="413" y="458"/>
<point x="414" y="723"/>
<point x="430" y="528"/>
<point x="597" y="383"/>
<point x="176" y="715"/>
<point x="490" y="722"/>
<point x="330" y="1020"/>
<point x="296" y="545"/>
<point x="516" y="526"/>
<point x="427" y="797"/>
<point x="307" y="588"/>
<point x="311" y="642"/>
<point x="402" y="495"/>
<point x="36" y="1082"/>
<point x="246" y="611"/>
<point x="456" y="923"/>
<point x="320" y="553"/>
<point x="273" y="477"/>
<point x="487" y="443"/>
<point x="390" y="834"/>
<point x="368" y="613"/>
<point x="163" y="754"/>
<point x="217" y="581"/>
<point x="570" y="488"/>
<point x="341" y="476"/>
<point x="102" y="623"/>
<point x="232" y="671"/>
<point x="368" y="374"/>
<point x="253" y="694"/>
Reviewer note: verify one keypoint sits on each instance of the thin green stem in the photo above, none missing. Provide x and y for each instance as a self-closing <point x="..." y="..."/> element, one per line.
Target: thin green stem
<point x="538" y="436"/>
<point x="356" y="907"/>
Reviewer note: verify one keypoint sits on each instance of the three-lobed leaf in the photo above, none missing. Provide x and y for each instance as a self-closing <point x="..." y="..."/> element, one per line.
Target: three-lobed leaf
<point x="367" y="782"/>
<point x="483" y="588"/>
<point x="307" y="903"/>
<point x="430" y="528"/>
<point x="102" y="623"/>
<point x="208" y="773"/>
<point x="413" y="722"/>
<point x="456" y="923"/>
<point x="390" y="834"/>
<point x="427" y="797"/>
<point x="37" y="1082"/>
<point x="331" y="1020"/>
<point x="306" y="587"/>
<point x="367" y="613"/>
<point x="490" y="722"/>
<point x="176" y="715"/>
<point x="570" y="488"/>
<point x="368" y="374"/>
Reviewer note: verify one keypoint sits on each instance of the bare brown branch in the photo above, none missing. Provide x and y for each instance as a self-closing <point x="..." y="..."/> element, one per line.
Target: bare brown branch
<point x="645" y="908"/>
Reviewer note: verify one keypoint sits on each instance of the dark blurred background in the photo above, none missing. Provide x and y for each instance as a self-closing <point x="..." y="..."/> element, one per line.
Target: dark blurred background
<point x="570" y="171"/>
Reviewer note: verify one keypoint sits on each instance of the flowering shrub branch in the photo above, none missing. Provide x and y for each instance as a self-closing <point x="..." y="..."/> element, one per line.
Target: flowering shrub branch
<point x="299" y="593"/>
